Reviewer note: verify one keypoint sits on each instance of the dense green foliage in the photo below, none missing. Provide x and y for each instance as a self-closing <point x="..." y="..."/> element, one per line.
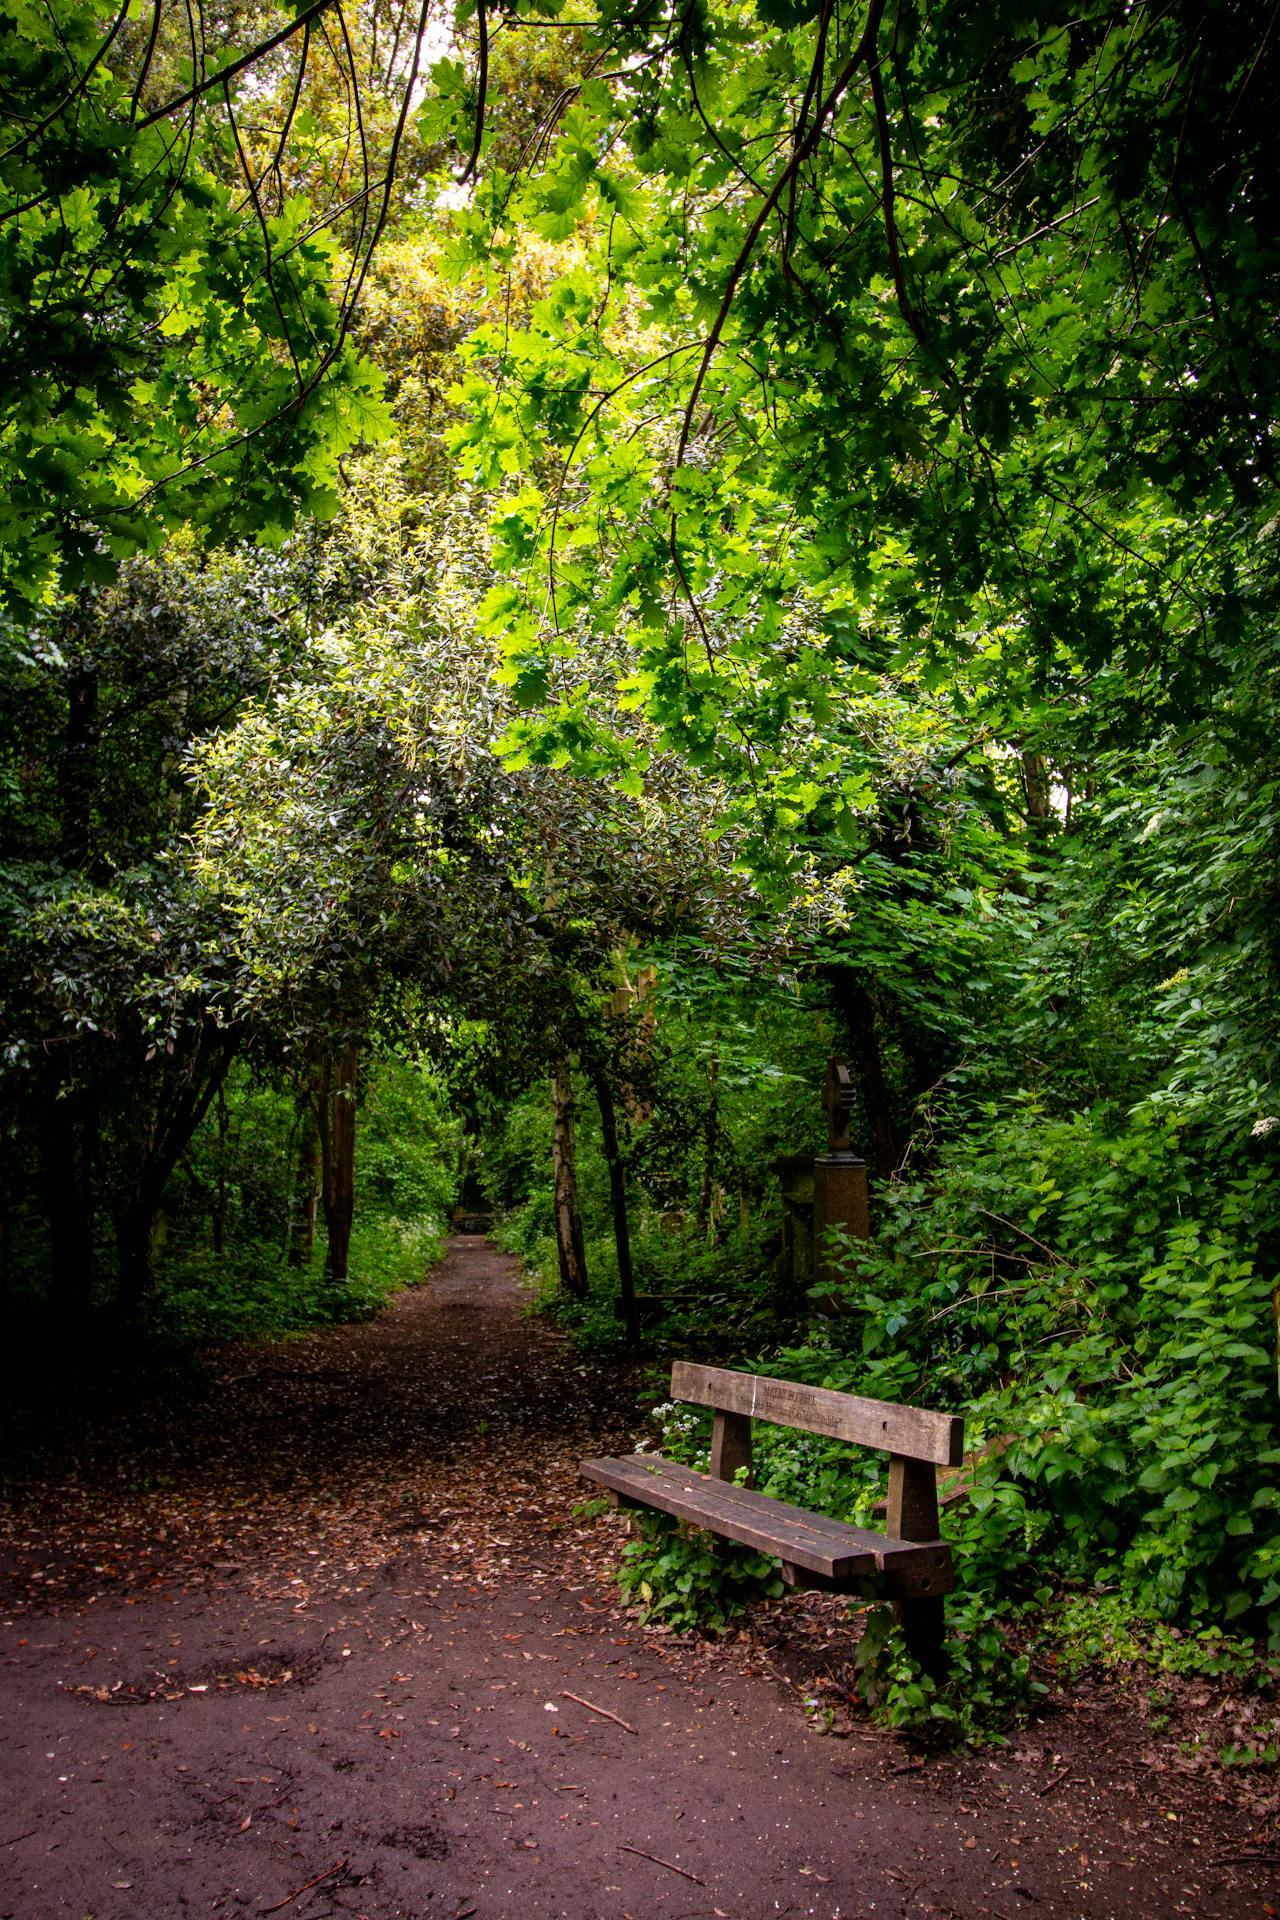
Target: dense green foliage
<point x="908" y="342"/>
<point x="173" y="350"/>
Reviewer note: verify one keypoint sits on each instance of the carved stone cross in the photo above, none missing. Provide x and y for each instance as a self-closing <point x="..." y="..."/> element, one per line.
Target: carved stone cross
<point x="837" y="1100"/>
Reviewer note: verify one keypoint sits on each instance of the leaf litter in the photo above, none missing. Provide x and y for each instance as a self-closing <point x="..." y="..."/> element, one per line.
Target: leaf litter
<point x="347" y="1553"/>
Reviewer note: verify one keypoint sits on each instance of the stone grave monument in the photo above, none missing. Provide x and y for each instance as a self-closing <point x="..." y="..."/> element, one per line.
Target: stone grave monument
<point x="817" y="1194"/>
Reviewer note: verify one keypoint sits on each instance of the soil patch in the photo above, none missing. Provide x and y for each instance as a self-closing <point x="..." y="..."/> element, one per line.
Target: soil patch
<point x="328" y="1635"/>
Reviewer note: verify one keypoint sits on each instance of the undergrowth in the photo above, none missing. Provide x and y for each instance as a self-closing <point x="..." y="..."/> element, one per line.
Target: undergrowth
<point x="252" y="1293"/>
<point x="690" y="1287"/>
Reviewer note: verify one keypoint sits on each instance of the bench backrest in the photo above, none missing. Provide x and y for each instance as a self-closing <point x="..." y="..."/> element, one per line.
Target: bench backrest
<point x="910" y="1432"/>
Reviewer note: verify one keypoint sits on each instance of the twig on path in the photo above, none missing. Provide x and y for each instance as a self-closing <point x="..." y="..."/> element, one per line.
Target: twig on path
<point x="28" y="1835"/>
<point x="1246" y="1859"/>
<point x="602" y="1711"/>
<point x="670" y="1865"/>
<point x="291" y="1897"/>
<point x="1056" y="1781"/>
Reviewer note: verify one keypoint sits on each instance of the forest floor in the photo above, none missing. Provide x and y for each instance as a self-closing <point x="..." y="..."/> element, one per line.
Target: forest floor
<point x="320" y="1632"/>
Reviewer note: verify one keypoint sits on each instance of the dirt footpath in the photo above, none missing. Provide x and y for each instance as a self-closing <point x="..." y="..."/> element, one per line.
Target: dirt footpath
<point x="328" y="1638"/>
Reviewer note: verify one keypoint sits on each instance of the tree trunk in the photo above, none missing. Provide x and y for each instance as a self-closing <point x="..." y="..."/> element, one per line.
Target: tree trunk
<point x="78" y="767"/>
<point x="136" y="1252"/>
<point x="336" y="1120"/>
<point x="136" y="1200"/>
<point x="165" y="1124"/>
<point x="570" y="1252"/>
<point x="306" y="1189"/>
<point x="710" y="1146"/>
<point x="219" y="1210"/>
<point x="868" y="1063"/>
<point x="67" y="1138"/>
<point x="1037" y="789"/>
<point x="618" y="1203"/>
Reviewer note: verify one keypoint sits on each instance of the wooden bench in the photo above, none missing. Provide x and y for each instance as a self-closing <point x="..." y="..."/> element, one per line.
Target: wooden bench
<point x="908" y="1563"/>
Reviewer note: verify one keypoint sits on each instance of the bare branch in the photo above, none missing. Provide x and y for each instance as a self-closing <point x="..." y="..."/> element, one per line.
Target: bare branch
<point x="482" y="85"/>
<point x="800" y="153"/>
<point x="234" y="67"/>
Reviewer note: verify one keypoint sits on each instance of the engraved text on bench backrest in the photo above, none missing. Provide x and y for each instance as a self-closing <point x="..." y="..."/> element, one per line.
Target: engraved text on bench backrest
<point x="911" y="1432"/>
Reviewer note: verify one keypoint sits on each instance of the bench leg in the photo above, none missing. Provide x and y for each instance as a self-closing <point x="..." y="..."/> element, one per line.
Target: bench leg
<point x="924" y="1626"/>
<point x="730" y="1453"/>
<point x="913" y="1515"/>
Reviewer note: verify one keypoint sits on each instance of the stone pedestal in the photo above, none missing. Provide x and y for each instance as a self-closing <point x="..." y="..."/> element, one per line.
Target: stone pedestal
<point x="830" y="1191"/>
<point x="839" y="1200"/>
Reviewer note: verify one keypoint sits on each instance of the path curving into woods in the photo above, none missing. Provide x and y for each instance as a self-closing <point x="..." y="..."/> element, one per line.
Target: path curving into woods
<point x="324" y="1635"/>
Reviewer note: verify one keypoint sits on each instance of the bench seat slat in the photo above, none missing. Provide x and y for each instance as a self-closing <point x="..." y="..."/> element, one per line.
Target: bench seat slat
<point x="913" y="1432"/>
<point x="830" y="1549"/>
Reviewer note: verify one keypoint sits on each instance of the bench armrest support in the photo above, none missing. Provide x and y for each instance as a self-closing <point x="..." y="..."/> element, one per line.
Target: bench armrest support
<point x="912" y="1512"/>
<point x="731" y="1447"/>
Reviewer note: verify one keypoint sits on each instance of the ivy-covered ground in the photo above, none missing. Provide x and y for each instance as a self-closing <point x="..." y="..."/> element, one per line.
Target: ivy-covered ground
<point x="324" y="1631"/>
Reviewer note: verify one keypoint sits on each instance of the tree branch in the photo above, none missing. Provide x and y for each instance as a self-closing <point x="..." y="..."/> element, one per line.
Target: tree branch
<point x="482" y="86"/>
<point x="800" y="153"/>
<point x="234" y="67"/>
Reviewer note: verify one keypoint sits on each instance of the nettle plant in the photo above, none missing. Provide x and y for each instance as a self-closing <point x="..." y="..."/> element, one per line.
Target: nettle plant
<point x="1085" y="1294"/>
<point x="680" y="1578"/>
